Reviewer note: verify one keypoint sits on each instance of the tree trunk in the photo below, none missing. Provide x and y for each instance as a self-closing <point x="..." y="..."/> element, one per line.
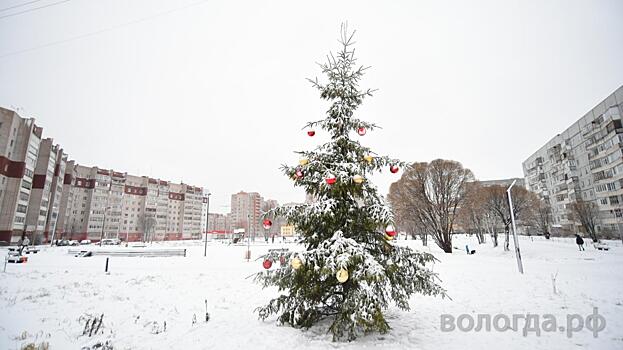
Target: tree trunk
<point x="506" y="238"/>
<point x="446" y="246"/>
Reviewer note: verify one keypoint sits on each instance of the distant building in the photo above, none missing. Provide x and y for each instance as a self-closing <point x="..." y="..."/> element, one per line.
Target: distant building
<point x="583" y="162"/>
<point x="288" y="231"/>
<point x="42" y="194"/>
<point x="246" y="212"/>
<point x="504" y="182"/>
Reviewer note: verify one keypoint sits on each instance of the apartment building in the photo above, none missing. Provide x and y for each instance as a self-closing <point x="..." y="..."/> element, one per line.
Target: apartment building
<point x="110" y="204"/>
<point x="19" y="149"/>
<point x="246" y="212"/>
<point x="583" y="162"/>
<point x="56" y="193"/>
<point x="43" y="194"/>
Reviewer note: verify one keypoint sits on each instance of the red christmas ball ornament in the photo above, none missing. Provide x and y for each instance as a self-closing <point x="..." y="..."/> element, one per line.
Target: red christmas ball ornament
<point x="394" y="169"/>
<point x="361" y="131"/>
<point x="331" y="179"/>
<point x="267" y="223"/>
<point x="267" y="264"/>
<point x="299" y="173"/>
<point x="311" y="133"/>
<point x="390" y="231"/>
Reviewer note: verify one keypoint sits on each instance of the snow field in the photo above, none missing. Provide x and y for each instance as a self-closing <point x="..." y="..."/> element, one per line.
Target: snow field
<point x="44" y="299"/>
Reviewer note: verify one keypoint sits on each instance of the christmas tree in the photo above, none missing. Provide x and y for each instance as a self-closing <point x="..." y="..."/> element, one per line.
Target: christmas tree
<point x="350" y="270"/>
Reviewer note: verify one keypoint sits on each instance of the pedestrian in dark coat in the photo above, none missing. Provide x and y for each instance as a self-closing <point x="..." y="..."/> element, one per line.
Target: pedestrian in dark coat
<point x="579" y="241"/>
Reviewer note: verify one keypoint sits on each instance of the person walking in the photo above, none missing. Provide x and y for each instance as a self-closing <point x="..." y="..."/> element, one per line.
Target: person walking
<point x="579" y="241"/>
<point x="25" y="243"/>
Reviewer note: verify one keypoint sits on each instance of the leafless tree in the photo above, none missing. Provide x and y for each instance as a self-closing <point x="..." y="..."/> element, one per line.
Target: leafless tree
<point x="497" y="204"/>
<point x="147" y="224"/>
<point x="432" y="193"/>
<point x="588" y="215"/>
<point x="541" y="217"/>
<point x="472" y="212"/>
<point x="404" y="216"/>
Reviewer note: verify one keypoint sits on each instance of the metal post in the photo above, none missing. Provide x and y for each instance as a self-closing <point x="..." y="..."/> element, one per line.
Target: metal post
<point x="248" y="238"/>
<point x="106" y="270"/>
<point x="510" y="205"/>
<point x="205" y="249"/>
<point x="103" y="224"/>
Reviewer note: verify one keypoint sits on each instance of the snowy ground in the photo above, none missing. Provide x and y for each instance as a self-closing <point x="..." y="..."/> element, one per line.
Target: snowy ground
<point x="44" y="299"/>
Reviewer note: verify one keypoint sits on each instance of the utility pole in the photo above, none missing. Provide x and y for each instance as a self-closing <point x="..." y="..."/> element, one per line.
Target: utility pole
<point x="248" y="238"/>
<point x="205" y="249"/>
<point x="510" y="205"/>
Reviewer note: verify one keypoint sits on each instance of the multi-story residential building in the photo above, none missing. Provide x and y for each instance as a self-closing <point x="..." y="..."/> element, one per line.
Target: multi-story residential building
<point x="19" y="149"/>
<point x="43" y="196"/>
<point x="107" y="203"/>
<point x="246" y="212"/>
<point x="41" y="192"/>
<point x="56" y="193"/>
<point x="583" y="162"/>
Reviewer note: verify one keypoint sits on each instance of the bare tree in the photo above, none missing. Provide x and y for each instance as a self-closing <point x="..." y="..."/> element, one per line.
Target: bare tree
<point x="404" y="215"/>
<point x="433" y="192"/>
<point x="147" y="224"/>
<point x="588" y="215"/>
<point x="472" y="212"/>
<point x="497" y="204"/>
<point x="541" y="217"/>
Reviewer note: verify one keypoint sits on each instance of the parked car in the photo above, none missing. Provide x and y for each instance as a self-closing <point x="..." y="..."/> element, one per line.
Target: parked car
<point x="111" y="241"/>
<point x="62" y="242"/>
<point x="74" y="242"/>
<point x="85" y="242"/>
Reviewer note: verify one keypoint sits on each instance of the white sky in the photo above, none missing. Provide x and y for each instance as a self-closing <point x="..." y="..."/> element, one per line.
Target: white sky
<point x="214" y="93"/>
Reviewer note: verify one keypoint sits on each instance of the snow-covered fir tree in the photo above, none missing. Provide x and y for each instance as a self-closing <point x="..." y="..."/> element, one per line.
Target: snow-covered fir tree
<point x="350" y="270"/>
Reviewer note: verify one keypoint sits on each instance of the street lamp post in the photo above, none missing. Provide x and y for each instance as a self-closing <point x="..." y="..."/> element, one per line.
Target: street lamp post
<point x="510" y="205"/>
<point x="205" y="248"/>
<point x="103" y="224"/>
<point x="618" y="221"/>
<point x="248" y="238"/>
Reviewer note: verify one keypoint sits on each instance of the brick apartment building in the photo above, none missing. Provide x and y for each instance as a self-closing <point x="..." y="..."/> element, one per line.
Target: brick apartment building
<point x="42" y="194"/>
<point x="584" y="162"/>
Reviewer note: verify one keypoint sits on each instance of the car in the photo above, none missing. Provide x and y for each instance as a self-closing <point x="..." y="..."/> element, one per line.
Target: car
<point x="62" y="242"/>
<point x="111" y="241"/>
<point x="74" y="242"/>
<point x="85" y="242"/>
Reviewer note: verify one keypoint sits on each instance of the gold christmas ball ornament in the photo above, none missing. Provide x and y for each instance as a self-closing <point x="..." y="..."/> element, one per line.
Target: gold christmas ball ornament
<point x="368" y="158"/>
<point x="342" y="275"/>
<point x="303" y="161"/>
<point x="358" y="179"/>
<point x="296" y="263"/>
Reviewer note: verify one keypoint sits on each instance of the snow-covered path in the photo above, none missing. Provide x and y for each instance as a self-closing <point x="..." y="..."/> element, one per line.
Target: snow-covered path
<point x="44" y="299"/>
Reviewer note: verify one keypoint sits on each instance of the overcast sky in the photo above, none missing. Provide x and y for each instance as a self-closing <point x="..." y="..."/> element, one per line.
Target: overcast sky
<point x="213" y="93"/>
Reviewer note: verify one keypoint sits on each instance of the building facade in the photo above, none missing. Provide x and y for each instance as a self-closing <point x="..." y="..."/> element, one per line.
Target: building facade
<point x="45" y="195"/>
<point x="584" y="162"/>
<point x="19" y="149"/>
<point x="109" y="204"/>
<point x="246" y="212"/>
